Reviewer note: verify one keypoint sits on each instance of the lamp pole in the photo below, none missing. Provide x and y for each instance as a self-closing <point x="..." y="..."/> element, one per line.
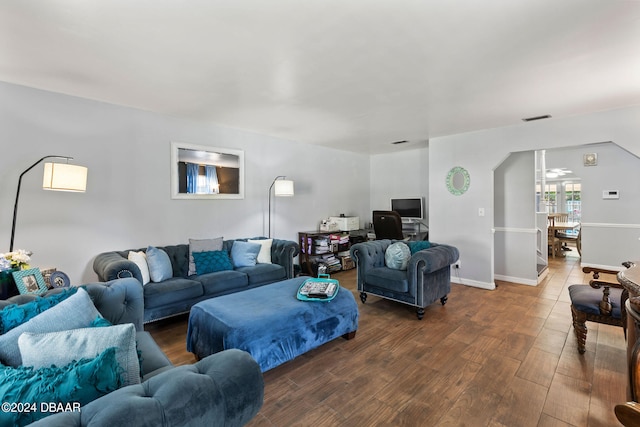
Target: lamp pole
<point x="270" y="188"/>
<point x="15" y="206"/>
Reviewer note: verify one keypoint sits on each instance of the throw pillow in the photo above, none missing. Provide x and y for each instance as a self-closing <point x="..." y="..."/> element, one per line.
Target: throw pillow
<point x="202" y="245"/>
<point x="77" y="311"/>
<point x="264" y="256"/>
<point x="63" y="347"/>
<point x="75" y="384"/>
<point x="418" y="245"/>
<point x="244" y="254"/>
<point x="397" y="256"/>
<point x="140" y="259"/>
<point x="159" y="264"/>
<point x="14" y="315"/>
<point x="212" y="261"/>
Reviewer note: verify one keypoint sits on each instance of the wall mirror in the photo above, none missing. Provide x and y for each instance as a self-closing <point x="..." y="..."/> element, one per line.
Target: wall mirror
<point x="458" y="181"/>
<point x="203" y="172"/>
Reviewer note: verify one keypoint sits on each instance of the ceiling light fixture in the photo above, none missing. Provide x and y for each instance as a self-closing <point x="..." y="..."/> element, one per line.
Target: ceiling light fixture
<point x="531" y="119"/>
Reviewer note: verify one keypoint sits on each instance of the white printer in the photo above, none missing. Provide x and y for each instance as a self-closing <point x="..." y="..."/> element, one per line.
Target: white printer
<point x="346" y="223"/>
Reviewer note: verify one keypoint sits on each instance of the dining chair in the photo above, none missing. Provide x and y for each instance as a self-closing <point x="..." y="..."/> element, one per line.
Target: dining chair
<point x="553" y="242"/>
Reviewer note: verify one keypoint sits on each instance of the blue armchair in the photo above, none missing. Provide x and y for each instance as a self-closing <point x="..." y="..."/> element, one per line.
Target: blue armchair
<point x="426" y="278"/>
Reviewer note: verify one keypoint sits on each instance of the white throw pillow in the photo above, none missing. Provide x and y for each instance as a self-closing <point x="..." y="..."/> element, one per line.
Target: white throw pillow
<point x="140" y="259"/>
<point x="264" y="256"/>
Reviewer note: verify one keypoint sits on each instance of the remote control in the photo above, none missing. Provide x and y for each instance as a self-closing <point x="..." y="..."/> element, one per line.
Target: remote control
<point x="317" y="295"/>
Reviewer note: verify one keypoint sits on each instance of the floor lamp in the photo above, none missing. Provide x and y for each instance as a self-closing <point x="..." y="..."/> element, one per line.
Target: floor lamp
<point x="283" y="188"/>
<point x="57" y="177"/>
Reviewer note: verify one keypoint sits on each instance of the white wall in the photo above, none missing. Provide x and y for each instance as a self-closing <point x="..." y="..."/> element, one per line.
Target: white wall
<point x="458" y="223"/>
<point x="515" y="220"/>
<point x="397" y="175"/>
<point x="128" y="203"/>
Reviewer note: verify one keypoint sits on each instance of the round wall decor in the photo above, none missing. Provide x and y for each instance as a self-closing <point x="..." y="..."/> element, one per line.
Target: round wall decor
<point x="458" y="181"/>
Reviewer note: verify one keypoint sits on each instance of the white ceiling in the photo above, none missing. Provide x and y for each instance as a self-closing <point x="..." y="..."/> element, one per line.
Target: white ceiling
<point x="350" y="74"/>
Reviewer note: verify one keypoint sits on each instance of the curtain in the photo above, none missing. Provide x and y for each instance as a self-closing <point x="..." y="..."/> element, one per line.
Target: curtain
<point x="192" y="178"/>
<point x="213" y="186"/>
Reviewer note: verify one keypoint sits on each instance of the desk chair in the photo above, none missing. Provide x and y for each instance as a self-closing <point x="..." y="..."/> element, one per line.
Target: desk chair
<point x="387" y="225"/>
<point x="600" y="302"/>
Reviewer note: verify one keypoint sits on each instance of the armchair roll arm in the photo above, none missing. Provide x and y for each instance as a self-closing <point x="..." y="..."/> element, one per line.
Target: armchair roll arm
<point x="283" y="252"/>
<point x="112" y="265"/>
<point x="224" y="389"/>
<point x="434" y="258"/>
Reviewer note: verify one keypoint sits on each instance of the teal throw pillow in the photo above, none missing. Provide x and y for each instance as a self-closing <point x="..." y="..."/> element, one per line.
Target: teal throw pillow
<point x="418" y="245"/>
<point x="397" y="256"/>
<point x="212" y="261"/>
<point x="244" y="254"/>
<point x="63" y="347"/>
<point x="77" y="311"/>
<point x="159" y="264"/>
<point x="15" y="315"/>
<point x="72" y="386"/>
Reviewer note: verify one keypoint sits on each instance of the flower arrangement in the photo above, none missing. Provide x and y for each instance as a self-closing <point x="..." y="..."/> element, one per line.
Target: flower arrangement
<point x="17" y="259"/>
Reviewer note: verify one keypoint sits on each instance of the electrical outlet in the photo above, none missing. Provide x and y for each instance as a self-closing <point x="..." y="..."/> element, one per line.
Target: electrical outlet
<point x="457" y="265"/>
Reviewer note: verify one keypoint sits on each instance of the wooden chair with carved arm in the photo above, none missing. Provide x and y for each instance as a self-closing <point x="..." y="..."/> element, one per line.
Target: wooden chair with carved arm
<point x="600" y="302"/>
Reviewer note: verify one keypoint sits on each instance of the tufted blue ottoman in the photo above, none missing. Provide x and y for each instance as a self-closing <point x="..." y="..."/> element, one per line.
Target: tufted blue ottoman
<point x="270" y="323"/>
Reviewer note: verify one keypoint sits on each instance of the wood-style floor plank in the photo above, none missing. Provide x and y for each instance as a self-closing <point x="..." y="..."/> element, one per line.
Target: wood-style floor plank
<point x="506" y="357"/>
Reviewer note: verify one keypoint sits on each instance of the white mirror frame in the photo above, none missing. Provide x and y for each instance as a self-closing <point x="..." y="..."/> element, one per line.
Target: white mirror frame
<point x="175" y="158"/>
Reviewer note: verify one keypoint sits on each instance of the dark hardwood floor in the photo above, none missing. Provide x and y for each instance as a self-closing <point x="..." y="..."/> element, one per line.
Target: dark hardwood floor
<point x="506" y="357"/>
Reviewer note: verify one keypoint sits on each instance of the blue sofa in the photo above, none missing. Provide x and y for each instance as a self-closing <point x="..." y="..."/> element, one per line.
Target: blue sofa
<point x="179" y="293"/>
<point x="224" y="389"/>
<point x="426" y="278"/>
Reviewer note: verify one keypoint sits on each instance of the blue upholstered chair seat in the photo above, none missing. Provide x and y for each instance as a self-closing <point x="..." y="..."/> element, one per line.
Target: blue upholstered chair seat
<point x="170" y="291"/>
<point x="222" y="281"/>
<point x="387" y="278"/>
<point x="587" y="299"/>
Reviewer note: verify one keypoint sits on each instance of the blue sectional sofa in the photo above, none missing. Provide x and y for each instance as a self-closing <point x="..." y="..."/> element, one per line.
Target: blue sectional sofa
<point x="177" y="294"/>
<point x="224" y="389"/>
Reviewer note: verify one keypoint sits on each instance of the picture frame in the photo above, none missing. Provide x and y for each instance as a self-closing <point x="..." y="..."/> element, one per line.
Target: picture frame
<point x="29" y="281"/>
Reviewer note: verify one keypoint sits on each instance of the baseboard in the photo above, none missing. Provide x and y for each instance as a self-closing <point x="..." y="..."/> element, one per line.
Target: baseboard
<point x="473" y="283"/>
<point x="517" y="280"/>
<point x="604" y="267"/>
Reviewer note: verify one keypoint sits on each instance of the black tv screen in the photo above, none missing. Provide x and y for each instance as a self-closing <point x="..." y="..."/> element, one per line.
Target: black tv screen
<point x="408" y="208"/>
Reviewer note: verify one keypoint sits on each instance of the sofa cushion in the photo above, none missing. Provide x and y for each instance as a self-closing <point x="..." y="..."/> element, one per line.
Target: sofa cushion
<point x="223" y="281"/>
<point x="75" y="384"/>
<point x="264" y="256"/>
<point x="154" y="360"/>
<point x="159" y="264"/>
<point x="212" y="261"/>
<point x="397" y="256"/>
<point x="388" y="278"/>
<point x="140" y="259"/>
<point x="17" y="314"/>
<point x="77" y="311"/>
<point x="175" y="289"/>
<point x="264" y="273"/>
<point x="244" y="254"/>
<point x="202" y="245"/>
<point x="62" y="347"/>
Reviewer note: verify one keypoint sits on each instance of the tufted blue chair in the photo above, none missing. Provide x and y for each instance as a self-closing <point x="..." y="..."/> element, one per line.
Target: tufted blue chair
<point x="426" y="279"/>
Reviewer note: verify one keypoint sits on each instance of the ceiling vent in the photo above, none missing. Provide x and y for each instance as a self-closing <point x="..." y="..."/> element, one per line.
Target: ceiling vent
<point x="531" y="119"/>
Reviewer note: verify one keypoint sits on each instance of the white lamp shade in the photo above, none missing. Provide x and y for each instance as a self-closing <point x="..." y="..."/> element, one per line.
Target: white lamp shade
<point x="283" y="188"/>
<point x="64" y="177"/>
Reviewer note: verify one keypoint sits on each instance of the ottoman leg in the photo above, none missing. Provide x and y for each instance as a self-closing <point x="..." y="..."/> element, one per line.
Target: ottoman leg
<point x="349" y="335"/>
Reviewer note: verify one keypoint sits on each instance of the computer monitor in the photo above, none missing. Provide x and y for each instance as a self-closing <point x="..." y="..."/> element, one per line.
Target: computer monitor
<point x="410" y="208"/>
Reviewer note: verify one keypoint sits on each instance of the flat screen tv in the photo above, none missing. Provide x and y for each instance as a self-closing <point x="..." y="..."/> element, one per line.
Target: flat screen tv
<point x="408" y="208"/>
